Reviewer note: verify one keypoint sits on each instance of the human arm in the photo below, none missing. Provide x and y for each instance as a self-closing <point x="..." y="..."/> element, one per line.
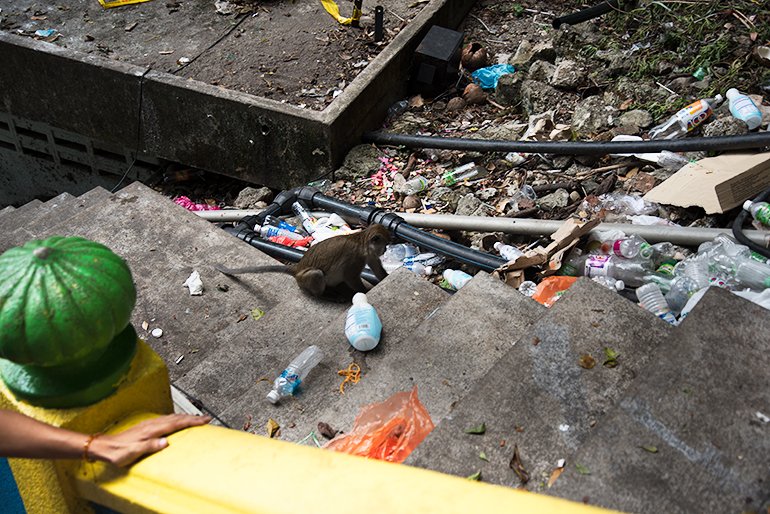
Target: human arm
<point x="25" y="437"/>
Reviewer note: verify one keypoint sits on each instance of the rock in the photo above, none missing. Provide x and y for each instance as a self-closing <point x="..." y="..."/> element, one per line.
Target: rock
<point x="473" y="94"/>
<point x="576" y="169"/>
<point x="682" y="85"/>
<point x="523" y="54"/>
<point x="574" y="196"/>
<point x="508" y="90"/>
<point x="664" y="68"/>
<point x="508" y="131"/>
<point x="556" y="200"/>
<point x="637" y="118"/>
<point x="541" y="70"/>
<point x="593" y="115"/>
<point x="486" y="194"/>
<point x="642" y="91"/>
<point x="455" y="104"/>
<point x="589" y="186"/>
<point x="616" y="62"/>
<point x="411" y="202"/>
<point x="249" y="197"/>
<point x="537" y="97"/>
<point x="445" y="196"/>
<point x="474" y="56"/>
<point x="727" y="126"/>
<point x="526" y="53"/>
<point x="562" y="161"/>
<point x="467" y="205"/>
<point x="568" y="75"/>
<point x="409" y="123"/>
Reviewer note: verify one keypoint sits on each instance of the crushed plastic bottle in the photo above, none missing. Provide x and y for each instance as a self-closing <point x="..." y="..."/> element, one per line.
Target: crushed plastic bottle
<point x="465" y="172"/>
<point x="363" y="327"/>
<point x="760" y="211"/>
<point x="528" y="288"/>
<point x="508" y="252"/>
<point x="682" y="289"/>
<point x="418" y="267"/>
<point x="610" y="283"/>
<point x="574" y="264"/>
<point x="686" y="119"/>
<point x="629" y="247"/>
<point x="633" y="272"/>
<point x="652" y="299"/>
<point x="414" y="185"/>
<point x="294" y="374"/>
<point x="744" y="108"/>
<point x="456" y="278"/>
<point x="672" y="161"/>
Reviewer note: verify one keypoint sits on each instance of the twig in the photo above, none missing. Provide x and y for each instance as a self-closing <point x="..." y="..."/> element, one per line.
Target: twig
<point x="667" y="89"/>
<point x="535" y="11"/>
<point x="491" y="31"/>
<point x="495" y="104"/>
<point x="391" y="11"/>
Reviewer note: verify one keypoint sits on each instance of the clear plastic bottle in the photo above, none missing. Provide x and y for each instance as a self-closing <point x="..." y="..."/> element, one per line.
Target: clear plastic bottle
<point x="363" y="327"/>
<point x="456" y="278"/>
<point x="399" y="252"/>
<point x="662" y="252"/>
<point x="686" y="120"/>
<point x="629" y="247"/>
<point x="652" y="299"/>
<point x="465" y="172"/>
<point x="414" y="185"/>
<point x="742" y="272"/>
<point x="508" y="252"/>
<point x="744" y="108"/>
<point x="610" y="283"/>
<point x="574" y="264"/>
<point x="417" y="267"/>
<point x="671" y="160"/>
<point x="267" y="231"/>
<point x="528" y="288"/>
<point x="633" y="272"/>
<point x="682" y="289"/>
<point x="760" y="211"/>
<point x="291" y="377"/>
<point x="308" y="222"/>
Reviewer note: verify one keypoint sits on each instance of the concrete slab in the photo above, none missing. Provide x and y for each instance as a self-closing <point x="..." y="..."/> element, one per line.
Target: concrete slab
<point x="695" y="404"/>
<point x="403" y="301"/>
<point x="6" y="210"/>
<point x="538" y="397"/>
<point x="15" y="219"/>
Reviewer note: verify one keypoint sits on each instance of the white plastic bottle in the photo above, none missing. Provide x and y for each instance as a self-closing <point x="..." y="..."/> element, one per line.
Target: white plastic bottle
<point x="760" y="211"/>
<point x="652" y="299"/>
<point x="508" y="252"/>
<point x="686" y="119"/>
<point x="417" y="267"/>
<point x="291" y="377"/>
<point x="456" y="278"/>
<point x="269" y="231"/>
<point x="744" y="108"/>
<point x="363" y="327"/>
<point x="308" y="222"/>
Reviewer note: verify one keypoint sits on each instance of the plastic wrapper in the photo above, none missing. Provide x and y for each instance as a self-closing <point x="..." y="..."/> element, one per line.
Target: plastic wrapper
<point x="388" y="431"/>
<point x="192" y="206"/>
<point x="487" y="77"/>
<point x="551" y="289"/>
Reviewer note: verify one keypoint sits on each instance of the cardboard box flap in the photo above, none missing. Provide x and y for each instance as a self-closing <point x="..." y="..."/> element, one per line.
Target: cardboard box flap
<point x="716" y="183"/>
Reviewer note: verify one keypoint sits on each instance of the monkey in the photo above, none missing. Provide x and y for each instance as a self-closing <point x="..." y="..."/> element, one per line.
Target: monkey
<point x="332" y="262"/>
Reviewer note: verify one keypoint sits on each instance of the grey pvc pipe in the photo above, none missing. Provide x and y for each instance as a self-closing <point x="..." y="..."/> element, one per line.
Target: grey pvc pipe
<point x="686" y="236"/>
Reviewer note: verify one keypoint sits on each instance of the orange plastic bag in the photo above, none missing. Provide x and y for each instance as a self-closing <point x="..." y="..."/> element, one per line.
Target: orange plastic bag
<point x="551" y="289"/>
<point x="389" y="430"/>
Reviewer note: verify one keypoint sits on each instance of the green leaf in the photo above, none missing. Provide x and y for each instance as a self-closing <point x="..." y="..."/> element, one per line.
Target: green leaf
<point x="478" y="429"/>
<point x="651" y="449"/>
<point x="518" y="10"/>
<point x="582" y="469"/>
<point x="257" y="313"/>
<point x="483" y="456"/>
<point x="612" y="358"/>
<point x="476" y="476"/>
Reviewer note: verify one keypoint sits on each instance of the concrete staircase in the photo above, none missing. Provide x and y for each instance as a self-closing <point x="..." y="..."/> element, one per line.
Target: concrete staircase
<point x="672" y="427"/>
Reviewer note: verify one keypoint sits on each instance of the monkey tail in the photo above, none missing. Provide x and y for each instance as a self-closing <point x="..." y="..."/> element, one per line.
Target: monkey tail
<point x="278" y="268"/>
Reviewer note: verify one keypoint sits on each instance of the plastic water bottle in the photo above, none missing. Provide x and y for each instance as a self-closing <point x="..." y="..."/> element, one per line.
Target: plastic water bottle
<point x="610" y="283"/>
<point x="456" y="278"/>
<point x="629" y="247"/>
<point x="633" y="272"/>
<point x="291" y="377"/>
<point x="362" y="325"/>
<point x="671" y="160"/>
<point x="686" y="120"/>
<point x="652" y="299"/>
<point x="760" y="211"/>
<point x="682" y="289"/>
<point x="418" y="267"/>
<point x="278" y="222"/>
<point x="528" y="288"/>
<point x="465" y="172"/>
<point x="508" y="252"/>
<point x="414" y="185"/>
<point x="267" y="231"/>
<point x="744" y="108"/>
<point x="574" y="265"/>
<point x="308" y="221"/>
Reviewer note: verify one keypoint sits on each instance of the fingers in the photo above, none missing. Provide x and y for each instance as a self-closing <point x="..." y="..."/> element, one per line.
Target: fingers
<point x="165" y="425"/>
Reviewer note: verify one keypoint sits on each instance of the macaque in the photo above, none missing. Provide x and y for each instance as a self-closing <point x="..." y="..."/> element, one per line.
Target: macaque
<point x="332" y="262"/>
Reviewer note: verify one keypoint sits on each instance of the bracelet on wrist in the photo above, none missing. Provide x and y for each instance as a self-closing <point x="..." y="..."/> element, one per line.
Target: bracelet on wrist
<point x="87" y="447"/>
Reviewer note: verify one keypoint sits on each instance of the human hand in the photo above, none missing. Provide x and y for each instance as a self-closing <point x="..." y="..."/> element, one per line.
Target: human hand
<point x="146" y="437"/>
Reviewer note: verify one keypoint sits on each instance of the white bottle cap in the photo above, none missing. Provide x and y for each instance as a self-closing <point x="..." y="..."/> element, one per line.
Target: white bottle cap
<point x="719" y="98"/>
<point x="497" y="245"/>
<point x="273" y="397"/>
<point x="731" y="93"/>
<point x="360" y="299"/>
<point x="364" y="343"/>
<point x="620" y="285"/>
<point x="747" y="205"/>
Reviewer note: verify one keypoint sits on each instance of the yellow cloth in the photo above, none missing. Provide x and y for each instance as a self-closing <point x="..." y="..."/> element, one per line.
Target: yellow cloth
<point x="333" y="9"/>
<point x="117" y="3"/>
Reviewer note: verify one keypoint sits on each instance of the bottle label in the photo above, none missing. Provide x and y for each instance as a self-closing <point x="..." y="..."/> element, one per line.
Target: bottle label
<point x="645" y="250"/>
<point x="292" y="380"/>
<point x="597" y="266"/>
<point x="568" y="270"/>
<point x="449" y="178"/>
<point x="694" y="114"/>
<point x="763" y="215"/>
<point x="666" y="268"/>
<point x="616" y="247"/>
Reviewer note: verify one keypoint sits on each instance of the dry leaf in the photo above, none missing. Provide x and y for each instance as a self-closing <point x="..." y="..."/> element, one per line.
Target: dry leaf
<point x="625" y="105"/>
<point x="517" y="466"/>
<point x="416" y="101"/>
<point x="272" y="428"/>
<point x="586" y="361"/>
<point x="556" y="474"/>
<point x="326" y="430"/>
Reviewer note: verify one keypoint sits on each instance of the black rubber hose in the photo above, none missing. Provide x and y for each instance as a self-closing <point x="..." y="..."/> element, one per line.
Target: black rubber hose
<point x="396" y="225"/>
<point x="738" y="227"/>
<point x="586" y="14"/>
<point x="745" y="142"/>
<point x="280" y="251"/>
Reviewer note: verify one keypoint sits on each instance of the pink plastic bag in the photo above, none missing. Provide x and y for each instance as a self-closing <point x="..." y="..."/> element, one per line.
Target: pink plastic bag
<point x="389" y="430"/>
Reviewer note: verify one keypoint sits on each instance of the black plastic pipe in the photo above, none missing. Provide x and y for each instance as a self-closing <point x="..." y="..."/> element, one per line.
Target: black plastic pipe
<point x="586" y="14"/>
<point x="745" y="142"/>
<point x="280" y="251"/>
<point x="738" y="227"/>
<point x="396" y="225"/>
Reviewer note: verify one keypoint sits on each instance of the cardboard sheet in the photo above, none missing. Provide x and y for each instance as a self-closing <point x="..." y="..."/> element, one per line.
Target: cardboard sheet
<point x="716" y="183"/>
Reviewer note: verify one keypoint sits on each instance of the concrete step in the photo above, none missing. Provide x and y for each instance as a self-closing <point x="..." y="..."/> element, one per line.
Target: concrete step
<point x="538" y="397"/>
<point x="163" y="243"/>
<point x="696" y="405"/>
<point x="403" y="301"/>
<point x="6" y="210"/>
<point x="15" y="219"/>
